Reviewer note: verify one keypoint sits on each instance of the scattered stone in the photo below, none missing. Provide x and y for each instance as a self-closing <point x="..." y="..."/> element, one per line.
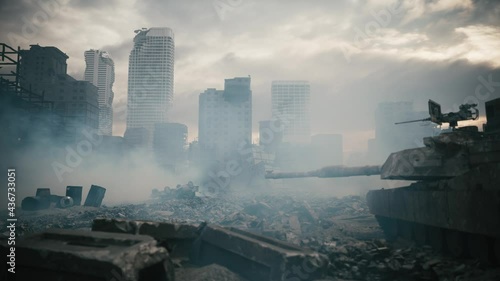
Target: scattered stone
<point x="187" y="191"/>
<point x="260" y="209"/>
<point x="211" y="272"/>
<point x="430" y="263"/>
<point x="344" y="231"/>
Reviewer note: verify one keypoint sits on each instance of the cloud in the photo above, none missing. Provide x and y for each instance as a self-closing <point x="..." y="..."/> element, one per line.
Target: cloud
<point x="423" y="49"/>
<point x="482" y="43"/>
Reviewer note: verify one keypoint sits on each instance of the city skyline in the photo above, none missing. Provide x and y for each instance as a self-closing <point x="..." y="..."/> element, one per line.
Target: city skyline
<point x="354" y="53"/>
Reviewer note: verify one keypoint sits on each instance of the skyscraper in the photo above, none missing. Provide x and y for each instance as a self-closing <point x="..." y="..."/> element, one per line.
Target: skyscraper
<point x="150" y="78"/>
<point x="100" y="71"/>
<point x="225" y="118"/>
<point x="291" y="106"/>
<point x="44" y="71"/>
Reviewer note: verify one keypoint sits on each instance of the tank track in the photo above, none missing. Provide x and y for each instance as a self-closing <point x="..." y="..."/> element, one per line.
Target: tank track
<point x="456" y="243"/>
<point x="460" y="216"/>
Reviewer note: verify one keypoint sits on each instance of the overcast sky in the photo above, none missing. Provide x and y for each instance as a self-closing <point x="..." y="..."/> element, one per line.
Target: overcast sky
<point x="355" y="53"/>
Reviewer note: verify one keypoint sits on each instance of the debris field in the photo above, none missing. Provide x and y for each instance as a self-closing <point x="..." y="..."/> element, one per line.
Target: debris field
<point x="342" y="229"/>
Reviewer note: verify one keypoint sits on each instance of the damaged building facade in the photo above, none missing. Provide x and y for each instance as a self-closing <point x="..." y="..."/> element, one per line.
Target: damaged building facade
<point x="100" y="71"/>
<point x="150" y="80"/>
<point x="44" y="71"/>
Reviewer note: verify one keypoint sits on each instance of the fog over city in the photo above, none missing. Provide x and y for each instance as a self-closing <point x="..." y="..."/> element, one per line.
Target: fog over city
<point x="250" y="140"/>
<point x="354" y="54"/>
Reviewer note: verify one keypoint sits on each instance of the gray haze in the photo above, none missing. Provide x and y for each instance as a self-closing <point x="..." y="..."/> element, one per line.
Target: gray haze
<point x="424" y="49"/>
<point x="355" y="54"/>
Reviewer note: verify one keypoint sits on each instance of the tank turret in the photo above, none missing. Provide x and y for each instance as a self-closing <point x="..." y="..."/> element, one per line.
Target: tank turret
<point x="444" y="156"/>
<point x="455" y="202"/>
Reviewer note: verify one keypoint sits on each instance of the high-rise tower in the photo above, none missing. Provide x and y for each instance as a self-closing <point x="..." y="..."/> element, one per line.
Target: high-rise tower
<point x="225" y="118"/>
<point x="100" y="71"/>
<point x="291" y="106"/>
<point x="150" y="78"/>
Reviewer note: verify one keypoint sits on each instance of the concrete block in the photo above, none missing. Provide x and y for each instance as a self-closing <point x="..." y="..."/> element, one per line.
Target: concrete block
<point x="35" y="203"/>
<point x="42" y="192"/>
<point x="257" y="257"/>
<point x="75" y="255"/>
<point x="177" y="238"/>
<point x="95" y="196"/>
<point x="75" y="192"/>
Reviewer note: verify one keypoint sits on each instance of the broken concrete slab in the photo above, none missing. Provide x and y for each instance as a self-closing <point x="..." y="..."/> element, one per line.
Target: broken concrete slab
<point x="40" y="201"/>
<point x="308" y="213"/>
<point x="295" y="225"/>
<point x="35" y="203"/>
<point x="95" y="196"/>
<point x="75" y="192"/>
<point x="178" y="238"/>
<point x="76" y="255"/>
<point x="45" y="200"/>
<point x="259" y="209"/>
<point x="257" y="257"/>
<point x="42" y="192"/>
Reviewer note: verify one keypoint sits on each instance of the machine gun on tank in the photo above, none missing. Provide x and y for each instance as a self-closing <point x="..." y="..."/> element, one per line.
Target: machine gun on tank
<point x="455" y="200"/>
<point x="465" y="112"/>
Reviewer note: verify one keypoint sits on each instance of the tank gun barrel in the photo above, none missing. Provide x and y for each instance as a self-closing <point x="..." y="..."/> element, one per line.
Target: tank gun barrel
<point x="328" y="172"/>
<point x="414" y="121"/>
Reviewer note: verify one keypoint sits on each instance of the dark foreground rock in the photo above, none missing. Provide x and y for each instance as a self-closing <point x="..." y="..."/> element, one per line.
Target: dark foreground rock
<point x="211" y="272"/>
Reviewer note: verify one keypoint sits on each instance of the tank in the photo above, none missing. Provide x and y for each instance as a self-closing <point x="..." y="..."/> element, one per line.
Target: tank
<point x="453" y="203"/>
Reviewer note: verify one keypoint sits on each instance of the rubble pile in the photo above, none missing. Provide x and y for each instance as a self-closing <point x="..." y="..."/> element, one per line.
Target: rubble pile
<point x="187" y="191"/>
<point x="305" y="221"/>
<point x="377" y="260"/>
<point x="340" y="228"/>
<point x="78" y="217"/>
